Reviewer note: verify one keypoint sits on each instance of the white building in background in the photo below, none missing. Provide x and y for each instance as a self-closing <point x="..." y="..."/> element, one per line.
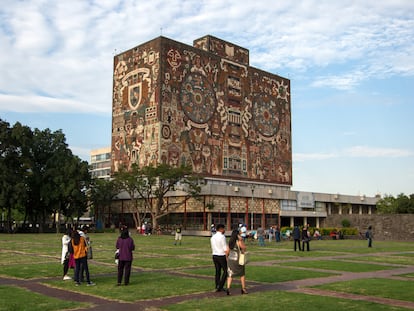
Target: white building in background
<point x="101" y="163"/>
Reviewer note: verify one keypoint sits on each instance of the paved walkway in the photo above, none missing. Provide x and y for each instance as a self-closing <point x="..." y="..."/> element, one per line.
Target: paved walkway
<point x="298" y="286"/>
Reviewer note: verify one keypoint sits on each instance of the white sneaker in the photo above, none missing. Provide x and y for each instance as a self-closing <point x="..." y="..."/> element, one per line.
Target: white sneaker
<point x="67" y="277"/>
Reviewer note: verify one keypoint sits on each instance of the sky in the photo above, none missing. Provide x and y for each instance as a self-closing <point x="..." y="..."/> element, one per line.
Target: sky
<point x="350" y="63"/>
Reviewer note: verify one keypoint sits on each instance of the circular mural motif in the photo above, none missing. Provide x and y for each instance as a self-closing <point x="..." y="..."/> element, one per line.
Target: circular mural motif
<point x="265" y="115"/>
<point x="166" y="131"/>
<point x="198" y="98"/>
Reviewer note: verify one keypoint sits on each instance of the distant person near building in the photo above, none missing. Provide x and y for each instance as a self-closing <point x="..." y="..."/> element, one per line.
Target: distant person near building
<point x="178" y="235"/>
<point x="305" y="238"/>
<point x="296" y="237"/>
<point x="369" y="235"/>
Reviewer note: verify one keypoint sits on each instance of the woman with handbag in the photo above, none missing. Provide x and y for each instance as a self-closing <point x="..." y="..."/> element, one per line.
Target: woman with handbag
<point x="236" y="261"/>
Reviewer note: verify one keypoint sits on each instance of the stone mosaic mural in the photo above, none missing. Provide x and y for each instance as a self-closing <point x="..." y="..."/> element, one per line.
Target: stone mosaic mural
<point x="203" y="106"/>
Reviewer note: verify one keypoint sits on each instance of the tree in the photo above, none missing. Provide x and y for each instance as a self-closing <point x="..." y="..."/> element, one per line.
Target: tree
<point x="151" y="185"/>
<point x="402" y="204"/>
<point x="387" y="205"/>
<point x="39" y="175"/>
<point x="101" y="194"/>
<point x="14" y="149"/>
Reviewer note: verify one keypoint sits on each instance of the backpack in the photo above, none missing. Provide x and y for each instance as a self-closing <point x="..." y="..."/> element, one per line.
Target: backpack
<point x="367" y="234"/>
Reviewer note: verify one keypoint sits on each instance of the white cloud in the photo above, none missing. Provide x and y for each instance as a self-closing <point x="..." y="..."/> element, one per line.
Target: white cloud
<point x="355" y="152"/>
<point x="373" y="152"/>
<point x="64" y="49"/>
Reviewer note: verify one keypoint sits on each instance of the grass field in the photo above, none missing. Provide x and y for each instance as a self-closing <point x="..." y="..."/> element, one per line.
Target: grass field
<point x="162" y="269"/>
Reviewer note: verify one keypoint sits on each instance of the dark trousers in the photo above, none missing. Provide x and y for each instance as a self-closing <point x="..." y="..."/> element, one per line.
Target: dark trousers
<point x="65" y="267"/>
<point x="297" y="241"/>
<point x="124" y="266"/>
<point x="220" y="263"/>
<point x="81" y="265"/>
<point x="369" y="242"/>
<point x="303" y="245"/>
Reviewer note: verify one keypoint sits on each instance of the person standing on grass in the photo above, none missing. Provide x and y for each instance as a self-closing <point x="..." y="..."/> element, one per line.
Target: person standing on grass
<point x="66" y="254"/>
<point x="80" y="251"/>
<point x="296" y="237"/>
<point x="178" y="235"/>
<point x="369" y="236"/>
<point x="305" y="238"/>
<point x="220" y="252"/>
<point x="236" y="246"/>
<point x="125" y="245"/>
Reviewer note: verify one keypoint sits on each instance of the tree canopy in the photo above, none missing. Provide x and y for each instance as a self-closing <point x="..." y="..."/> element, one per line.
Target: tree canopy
<point x="39" y="175"/>
<point x="402" y="204"/>
<point x="149" y="187"/>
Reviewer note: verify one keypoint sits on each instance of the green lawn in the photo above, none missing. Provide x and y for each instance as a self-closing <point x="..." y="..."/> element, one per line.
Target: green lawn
<point x="18" y="299"/>
<point x="276" y="300"/>
<point x="161" y="269"/>
<point x="387" y="288"/>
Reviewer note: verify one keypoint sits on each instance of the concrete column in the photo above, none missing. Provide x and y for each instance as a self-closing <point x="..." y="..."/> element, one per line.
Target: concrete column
<point x="292" y="221"/>
<point x="350" y="210"/>
<point x="369" y="210"/>
<point x="329" y="209"/>
<point x="317" y="222"/>
<point x="305" y="220"/>
<point x="340" y="210"/>
<point x="360" y="210"/>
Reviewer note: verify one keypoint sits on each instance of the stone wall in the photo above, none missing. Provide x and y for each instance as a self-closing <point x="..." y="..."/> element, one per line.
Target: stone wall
<point x="385" y="227"/>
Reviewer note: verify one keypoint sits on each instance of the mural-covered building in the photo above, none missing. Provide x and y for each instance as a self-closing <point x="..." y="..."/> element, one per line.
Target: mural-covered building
<point x="202" y="106"/>
<point x="205" y="106"/>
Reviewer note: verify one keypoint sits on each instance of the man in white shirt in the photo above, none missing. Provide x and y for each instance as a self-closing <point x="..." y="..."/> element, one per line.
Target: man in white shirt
<point x="220" y="251"/>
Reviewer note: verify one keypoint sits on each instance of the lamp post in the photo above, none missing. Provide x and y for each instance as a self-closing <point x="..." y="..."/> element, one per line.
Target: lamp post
<point x="251" y="209"/>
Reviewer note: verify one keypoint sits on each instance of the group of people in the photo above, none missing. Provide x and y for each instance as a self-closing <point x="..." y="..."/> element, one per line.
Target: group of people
<point x="77" y="249"/>
<point x="226" y="258"/>
<point x="301" y="236"/>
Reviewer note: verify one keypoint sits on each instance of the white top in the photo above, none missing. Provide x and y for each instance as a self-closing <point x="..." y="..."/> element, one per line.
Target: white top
<point x="65" y="242"/>
<point x="218" y="244"/>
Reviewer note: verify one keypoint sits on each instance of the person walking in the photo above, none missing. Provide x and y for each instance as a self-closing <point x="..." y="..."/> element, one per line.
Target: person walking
<point x="305" y="238"/>
<point x="271" y="233"/>
<point x="296" y="237"/>
<point x="369" y="235"/>
<point x="220" y="252"/>
<point x="125" y="245"/>
<point x="80" y="250"/>
<point x="236" y="247"/>
<point x="66" y="254"/>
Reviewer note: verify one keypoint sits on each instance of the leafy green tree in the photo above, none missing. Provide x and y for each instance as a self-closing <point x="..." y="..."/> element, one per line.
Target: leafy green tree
<point x="387" y="205"/>
<point x="39" y="175"/>
<point x="14" y="149"/>
<point x="151" y="185"/>
<point x="101" y="194"/>
<point x="402" y="204"/>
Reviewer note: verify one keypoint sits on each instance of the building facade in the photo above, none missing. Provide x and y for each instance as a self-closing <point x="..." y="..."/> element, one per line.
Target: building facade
<point x="205" y="106"/>
<point x="101" y="163"/>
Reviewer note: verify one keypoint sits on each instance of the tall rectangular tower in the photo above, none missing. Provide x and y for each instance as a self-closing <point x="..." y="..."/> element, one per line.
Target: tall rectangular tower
<point x="202" y="106"/>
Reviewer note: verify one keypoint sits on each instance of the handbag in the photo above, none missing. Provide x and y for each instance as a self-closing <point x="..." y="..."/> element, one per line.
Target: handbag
<point x="243" y="257"/>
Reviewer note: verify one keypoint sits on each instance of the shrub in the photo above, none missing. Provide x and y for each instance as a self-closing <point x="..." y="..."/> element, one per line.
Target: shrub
<point x="346" y="223"/>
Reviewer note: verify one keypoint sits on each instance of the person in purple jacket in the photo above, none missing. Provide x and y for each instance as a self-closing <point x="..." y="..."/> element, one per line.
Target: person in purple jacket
<point x="125" y="245"/>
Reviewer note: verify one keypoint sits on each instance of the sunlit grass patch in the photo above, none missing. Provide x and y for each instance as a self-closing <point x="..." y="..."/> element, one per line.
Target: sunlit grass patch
<point x="387" y="288"/>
